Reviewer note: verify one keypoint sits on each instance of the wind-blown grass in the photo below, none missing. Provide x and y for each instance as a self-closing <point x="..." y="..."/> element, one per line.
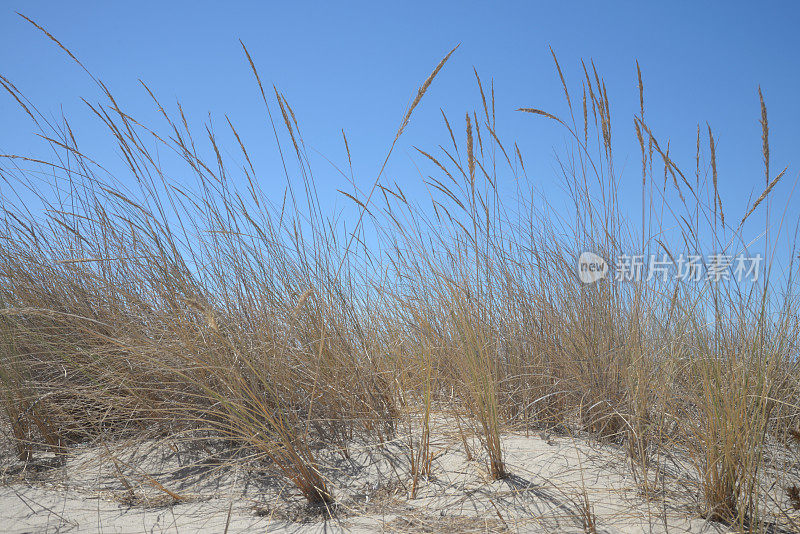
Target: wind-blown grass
<point x="137" y="304"/>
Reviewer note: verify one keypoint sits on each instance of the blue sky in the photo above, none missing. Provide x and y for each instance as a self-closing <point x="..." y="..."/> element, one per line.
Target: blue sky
<point x="357" y="65"/>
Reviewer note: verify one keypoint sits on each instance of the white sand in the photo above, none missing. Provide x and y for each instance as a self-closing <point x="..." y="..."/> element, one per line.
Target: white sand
<point x="92" y="492"/>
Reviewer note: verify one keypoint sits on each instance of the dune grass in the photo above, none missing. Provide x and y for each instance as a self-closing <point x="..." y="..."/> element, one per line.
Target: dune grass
<point x="153" y="303"/>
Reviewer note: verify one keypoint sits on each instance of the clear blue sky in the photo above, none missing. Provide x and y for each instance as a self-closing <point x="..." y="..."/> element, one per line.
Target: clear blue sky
<point x="357" y="65"/>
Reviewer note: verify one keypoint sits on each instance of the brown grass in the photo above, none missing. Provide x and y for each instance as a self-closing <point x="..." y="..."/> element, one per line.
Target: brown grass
<point x="139" y="305"/>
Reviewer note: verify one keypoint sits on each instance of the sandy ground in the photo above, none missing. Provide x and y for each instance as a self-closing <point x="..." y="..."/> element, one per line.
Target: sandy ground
<point x="156" y="487"/>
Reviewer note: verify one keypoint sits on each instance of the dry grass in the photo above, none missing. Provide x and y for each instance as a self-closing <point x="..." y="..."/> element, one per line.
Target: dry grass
<point x="140" y="305"/>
